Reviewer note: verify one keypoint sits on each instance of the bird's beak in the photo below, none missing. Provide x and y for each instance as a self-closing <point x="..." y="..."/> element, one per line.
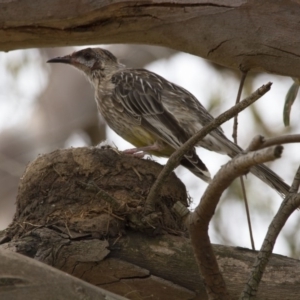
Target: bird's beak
<point x="64" y="59"/>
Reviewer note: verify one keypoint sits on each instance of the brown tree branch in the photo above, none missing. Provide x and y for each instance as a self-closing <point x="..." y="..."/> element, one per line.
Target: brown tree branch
<point x="68" y="225"/>
<point x="256" y="143"/>
<point x="280" y="140"/>
<point x="288" y="206"/>
<point x="235" y="135"/>
<point x="22" y="278"/>
<point x="236" y="34"/>
<point x="198" y="221"/>
<point x="135" y="263"/>
<point x="296" y="182"/>
<point x="176" y="157"/>
<point x="238" y="98"/>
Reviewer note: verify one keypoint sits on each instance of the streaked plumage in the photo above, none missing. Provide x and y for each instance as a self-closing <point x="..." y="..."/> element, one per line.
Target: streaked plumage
<point x="154" y="114"/>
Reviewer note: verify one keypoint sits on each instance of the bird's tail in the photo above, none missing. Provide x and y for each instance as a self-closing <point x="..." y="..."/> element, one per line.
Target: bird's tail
<point x="270" y="178"/>
<point x="261" y="171"/>
<point x="197" y="169"/>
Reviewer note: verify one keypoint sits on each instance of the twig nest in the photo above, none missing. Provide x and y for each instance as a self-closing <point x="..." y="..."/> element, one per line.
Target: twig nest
<point x="97" y="192"/>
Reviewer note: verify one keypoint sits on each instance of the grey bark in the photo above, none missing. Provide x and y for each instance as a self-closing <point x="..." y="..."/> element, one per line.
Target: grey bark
<point x="22" y="278"/>
<point x="248" y="34"/>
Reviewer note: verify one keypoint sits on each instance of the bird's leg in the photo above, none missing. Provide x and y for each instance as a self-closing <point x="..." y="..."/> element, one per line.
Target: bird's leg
<point x="136" y="152"/>
<point x="143" y="150"/>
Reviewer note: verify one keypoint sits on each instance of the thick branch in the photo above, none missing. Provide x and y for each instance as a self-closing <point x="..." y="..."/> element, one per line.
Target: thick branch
<point x="64" y="221"/>
<point x="237" y="34"/>
<point x="135" y="263"/>
<point x="200" y="218"/>
<point x="23" y="278"/>
<point x="288" y="206"/>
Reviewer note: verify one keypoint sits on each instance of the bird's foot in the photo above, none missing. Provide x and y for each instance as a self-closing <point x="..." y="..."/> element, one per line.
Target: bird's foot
<point x="142" y="151"/>
<point x="136" y="152"/>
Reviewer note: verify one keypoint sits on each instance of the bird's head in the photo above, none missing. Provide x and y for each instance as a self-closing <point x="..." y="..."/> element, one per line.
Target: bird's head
<point x="94" y="62"/>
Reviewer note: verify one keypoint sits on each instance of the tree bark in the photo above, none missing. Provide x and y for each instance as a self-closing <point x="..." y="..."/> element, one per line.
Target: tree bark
<point x="26" y="279"/>
<point x="79" y="210"/>
<point x="137" y="265"/>
<point x="248" y="34"/>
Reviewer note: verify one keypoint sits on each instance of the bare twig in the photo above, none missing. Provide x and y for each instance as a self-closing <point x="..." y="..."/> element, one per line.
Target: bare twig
<point x="198" y="221"/>
<point x="238" y="98"/>
<point x="176" y="157"/>
<point x="247" y="212"/>
<point x="235" y="135"/>
<point x="280" y="140"/>
<point x="296" y="182"/>
<point x="256" y="143"/>
<point x="288" y="206"/>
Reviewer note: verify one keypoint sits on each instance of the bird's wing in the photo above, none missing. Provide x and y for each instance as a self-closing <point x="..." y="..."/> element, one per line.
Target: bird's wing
<point x="139" y="94"/>
<point x="192" y="116"/>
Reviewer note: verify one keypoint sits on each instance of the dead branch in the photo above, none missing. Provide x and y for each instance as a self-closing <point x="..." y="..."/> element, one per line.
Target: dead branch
<point x="23" y="278"/>
<point x="280" y="140"/>
<point x="288" y="206"/>
<point x="198" y="221"/>
<point x="234" y="136"/>
<point x="296" y="182"/>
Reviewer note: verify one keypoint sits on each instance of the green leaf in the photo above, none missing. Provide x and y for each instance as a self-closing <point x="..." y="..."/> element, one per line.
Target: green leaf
<point x="289" y="100"/>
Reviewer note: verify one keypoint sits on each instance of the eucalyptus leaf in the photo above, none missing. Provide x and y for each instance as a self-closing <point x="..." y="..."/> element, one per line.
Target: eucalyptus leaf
<point x="289" y="100"/>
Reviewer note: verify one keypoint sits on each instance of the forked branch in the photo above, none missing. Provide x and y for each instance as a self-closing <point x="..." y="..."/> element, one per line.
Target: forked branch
<point x="198" y="221"/>
<point x="288" y="206"/>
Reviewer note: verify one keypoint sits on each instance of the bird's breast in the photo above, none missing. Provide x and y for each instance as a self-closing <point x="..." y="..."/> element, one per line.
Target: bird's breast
<point x="128" y="128"/>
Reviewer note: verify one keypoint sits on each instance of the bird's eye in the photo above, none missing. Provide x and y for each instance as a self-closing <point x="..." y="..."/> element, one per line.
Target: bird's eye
<point x="87" y="56"/>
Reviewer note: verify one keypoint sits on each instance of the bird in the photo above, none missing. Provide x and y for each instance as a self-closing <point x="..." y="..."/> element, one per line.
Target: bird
<point x="154" y="114"/>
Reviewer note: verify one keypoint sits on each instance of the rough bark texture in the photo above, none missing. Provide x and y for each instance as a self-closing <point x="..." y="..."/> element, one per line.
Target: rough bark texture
<point x="253" y="34"/>
<point x="79" y="211"/>
<point x="23" y="278"/>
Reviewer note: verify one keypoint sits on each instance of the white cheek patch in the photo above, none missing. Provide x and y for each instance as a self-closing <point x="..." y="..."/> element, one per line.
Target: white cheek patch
<point x="87" y="63"/>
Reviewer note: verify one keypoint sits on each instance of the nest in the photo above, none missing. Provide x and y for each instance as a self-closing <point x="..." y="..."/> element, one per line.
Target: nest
<point x="94" y="192"/>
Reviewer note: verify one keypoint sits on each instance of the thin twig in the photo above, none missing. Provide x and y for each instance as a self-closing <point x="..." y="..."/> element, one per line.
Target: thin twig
<point x="238" y="98"/>
<point x="198" y="221"/>
<point x="176" y="157"/>
<point x="247" y="213"/>
<point x="288" y="206"/>
<point x="296" y="182"/>
<point x="280" y="140"/>
<point x="235" y="136"/>
<point x="256" y="143"/>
